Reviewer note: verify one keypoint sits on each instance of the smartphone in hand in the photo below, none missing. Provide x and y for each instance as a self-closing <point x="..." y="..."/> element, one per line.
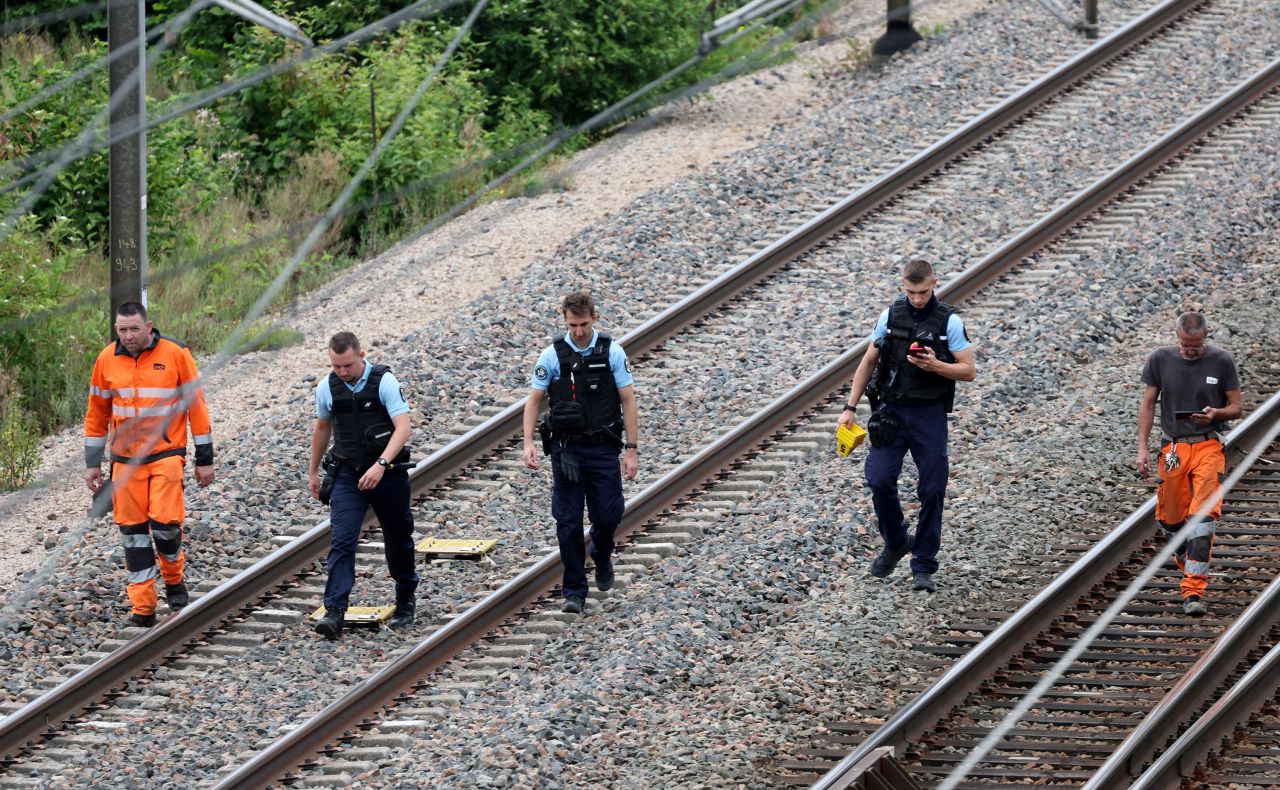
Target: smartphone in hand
<point x="1185" y="415"/>
<point x="916" y="350"/>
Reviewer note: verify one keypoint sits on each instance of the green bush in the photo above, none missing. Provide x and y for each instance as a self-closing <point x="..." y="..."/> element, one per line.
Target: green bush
<point x="19" y="442"/>
<point x="49" y="358"/>
<point x="243" y="175"/>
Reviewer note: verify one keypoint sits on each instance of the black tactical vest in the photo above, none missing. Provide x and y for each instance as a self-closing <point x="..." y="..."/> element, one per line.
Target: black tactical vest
<point x="361" y="425"/>
<point x="586" y="387"/>
<point x="900" y="382"/>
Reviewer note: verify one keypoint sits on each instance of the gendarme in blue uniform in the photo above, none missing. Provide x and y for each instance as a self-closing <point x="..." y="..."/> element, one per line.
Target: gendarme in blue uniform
<point x="348" y="504"/>
<point x="921" y="404"/>
<point x="600" y="483"/>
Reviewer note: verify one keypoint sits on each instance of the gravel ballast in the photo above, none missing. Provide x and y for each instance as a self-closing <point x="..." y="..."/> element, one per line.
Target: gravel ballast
<point x="656" y="677"/>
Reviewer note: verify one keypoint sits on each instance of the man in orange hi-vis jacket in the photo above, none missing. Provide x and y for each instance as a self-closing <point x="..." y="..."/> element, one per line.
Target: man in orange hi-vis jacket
<point x="144" y="390"/>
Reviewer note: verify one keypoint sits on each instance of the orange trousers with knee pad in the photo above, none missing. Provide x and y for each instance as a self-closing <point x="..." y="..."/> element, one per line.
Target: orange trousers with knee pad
<point x="1182" y="491"/>
<point x="149" y="509"/>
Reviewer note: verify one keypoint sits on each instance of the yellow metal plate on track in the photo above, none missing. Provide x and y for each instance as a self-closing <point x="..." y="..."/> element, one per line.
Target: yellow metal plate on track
<point x="442" y="549"/>
<point x="357" y="616"/>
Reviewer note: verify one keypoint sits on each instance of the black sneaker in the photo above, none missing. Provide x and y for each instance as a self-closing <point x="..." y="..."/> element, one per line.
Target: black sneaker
<point x="604" y="575"/>
<point x="403" y="615"/>
<point x="923" y="581"/>
<point x="1192" y="605"/>
<point x="176" y="595"/>
<point x="330" y="626"/>
<point x="573" y="604"/>
<point x="143" y="620"/>
<point x="887" y="560"/>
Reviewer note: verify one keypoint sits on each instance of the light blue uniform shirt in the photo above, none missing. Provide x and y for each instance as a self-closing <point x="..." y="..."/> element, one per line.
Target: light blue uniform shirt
<point x="956" y="339"/>
<point x="388" y="393"/>
<point x="548" y="368"/>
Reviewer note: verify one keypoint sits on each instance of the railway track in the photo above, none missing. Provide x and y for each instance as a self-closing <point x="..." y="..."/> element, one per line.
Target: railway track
<point x="1231" y="744"/>
<point x="1147" y="675"/>
<point x="233" y="621"/>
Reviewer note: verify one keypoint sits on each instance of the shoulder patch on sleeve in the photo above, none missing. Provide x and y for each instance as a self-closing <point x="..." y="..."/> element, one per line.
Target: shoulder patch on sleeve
<point x="540" y="373"/>
<point x="626" y="364"/>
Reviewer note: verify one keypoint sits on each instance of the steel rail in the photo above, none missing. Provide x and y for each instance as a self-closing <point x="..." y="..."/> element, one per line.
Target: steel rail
<point x="41" y="716"/>
<point x="1185" y="699"/>
<point x="344" y="714"/>
<point x="1255" y="689"/>
<point x="930" y="706"/>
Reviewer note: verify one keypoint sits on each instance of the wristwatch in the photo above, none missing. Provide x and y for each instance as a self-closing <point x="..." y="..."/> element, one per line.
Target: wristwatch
<point x="384" y="463"/>
<point x="630" y="446"/>
<point x="849" y="407"/>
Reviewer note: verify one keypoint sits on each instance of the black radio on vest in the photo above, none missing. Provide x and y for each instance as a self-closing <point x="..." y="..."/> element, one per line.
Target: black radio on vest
<point x="584" y="399"/>
<point x="361" y="425"/>
<point x="897" y="381"/>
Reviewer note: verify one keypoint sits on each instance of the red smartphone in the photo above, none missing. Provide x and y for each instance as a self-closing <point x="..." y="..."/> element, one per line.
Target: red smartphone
<point x="916" y="351"/>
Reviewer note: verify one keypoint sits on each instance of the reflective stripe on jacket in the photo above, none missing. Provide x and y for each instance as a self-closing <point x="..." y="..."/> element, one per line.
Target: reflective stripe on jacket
<point x="145" y="404"/>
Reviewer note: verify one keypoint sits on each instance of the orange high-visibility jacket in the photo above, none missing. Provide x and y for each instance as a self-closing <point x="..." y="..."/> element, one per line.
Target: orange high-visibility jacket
<point x="145" y="403"/>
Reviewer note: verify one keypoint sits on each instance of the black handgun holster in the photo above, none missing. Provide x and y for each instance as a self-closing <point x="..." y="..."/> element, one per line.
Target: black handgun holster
<point x="330" y="466"/>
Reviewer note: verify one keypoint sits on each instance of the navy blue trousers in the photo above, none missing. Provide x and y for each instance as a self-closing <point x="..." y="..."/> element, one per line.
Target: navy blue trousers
<point x="923" y="431"/>
<point x="390" y="502"/>
<point x="600" y="487"/>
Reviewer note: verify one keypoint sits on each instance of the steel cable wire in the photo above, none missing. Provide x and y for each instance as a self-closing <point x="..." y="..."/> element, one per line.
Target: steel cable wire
<point x="1165" y="553"/>
<point x="51" y="17"/>
<point x="628" y="106"/>
<point x="71" y="79"/>
<point x="78" y="149"/>
<point x="131" y="83"/>
<point x="12" y="608"/>
<point x="232" y="344"/>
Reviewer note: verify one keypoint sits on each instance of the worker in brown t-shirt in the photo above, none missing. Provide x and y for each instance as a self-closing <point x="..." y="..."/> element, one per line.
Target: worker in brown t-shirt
<point x="1199" y="390"/>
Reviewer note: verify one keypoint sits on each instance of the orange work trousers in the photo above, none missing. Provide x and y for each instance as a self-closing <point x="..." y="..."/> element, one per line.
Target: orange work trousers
<point x="148" y="504"/>
<point x="1180" y="493"/>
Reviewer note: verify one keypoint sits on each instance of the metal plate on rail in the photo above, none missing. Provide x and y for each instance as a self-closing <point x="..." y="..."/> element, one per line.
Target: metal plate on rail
<point x="449" y="549"/>
<point x="362" y="616"/>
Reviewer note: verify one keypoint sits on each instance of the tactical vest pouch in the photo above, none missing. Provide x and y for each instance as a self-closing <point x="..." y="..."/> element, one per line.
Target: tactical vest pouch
<point x="882" y="428"/>
<point x="375" y="441"/>
<point x="568" y="416"/>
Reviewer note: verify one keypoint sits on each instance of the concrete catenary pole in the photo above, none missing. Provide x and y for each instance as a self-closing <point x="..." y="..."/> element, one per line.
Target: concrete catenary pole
<point x="899" y="34"/>
<point x="127" y="85"/>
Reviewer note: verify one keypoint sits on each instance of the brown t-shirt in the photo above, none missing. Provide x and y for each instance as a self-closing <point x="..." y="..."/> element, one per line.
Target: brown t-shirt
<point x="1190" y="385"/>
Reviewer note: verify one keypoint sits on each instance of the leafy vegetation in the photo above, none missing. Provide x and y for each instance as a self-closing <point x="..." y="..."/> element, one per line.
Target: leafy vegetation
<point x="234" y="186"/>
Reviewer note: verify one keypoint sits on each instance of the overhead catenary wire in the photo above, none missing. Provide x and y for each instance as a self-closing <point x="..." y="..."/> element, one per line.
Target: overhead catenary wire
<point x="52" y="17"/>
<point x="1166" y="552"/>
<point x="77" y="149"/>
<point x="130" y="83"/>
<point x="66" y="82"/>
<point x="231" y="345"/>
<point x="372" y="30"/>
<point x="628" y="106"/>
<point x="14" y="605"/>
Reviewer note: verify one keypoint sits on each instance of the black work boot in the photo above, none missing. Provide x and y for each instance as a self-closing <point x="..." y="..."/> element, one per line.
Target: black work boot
<point x="144" y="620"/>
<point x="887" y="560"/>
<point x="403" y="615"/>
<point x="573" y="604"/>
<point x="330" y="626"/>
<point x="176" y="595"/>
<point x="604" y="575"/>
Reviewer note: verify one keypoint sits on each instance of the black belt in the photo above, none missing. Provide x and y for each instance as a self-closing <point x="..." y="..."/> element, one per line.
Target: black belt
<point x="590" y="438"/>
<point x="1194" y="438"/>
<point x="122" y="459"/>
